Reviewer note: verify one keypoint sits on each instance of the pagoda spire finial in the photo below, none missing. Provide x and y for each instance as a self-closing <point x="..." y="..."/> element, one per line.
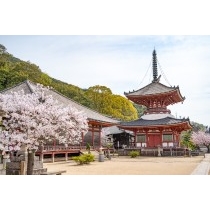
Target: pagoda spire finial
<point x="154" y="66"/>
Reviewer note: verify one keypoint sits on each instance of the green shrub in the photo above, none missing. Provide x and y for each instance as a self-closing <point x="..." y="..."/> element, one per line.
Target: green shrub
<point x="88" y="148"/>
<point x="134" y="154"/>
<point x="84" y="159"/>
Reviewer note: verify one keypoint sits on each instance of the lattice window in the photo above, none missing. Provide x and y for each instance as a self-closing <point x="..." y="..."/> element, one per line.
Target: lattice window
<point x="140" y="138"/>
<point x="167" y="137"/>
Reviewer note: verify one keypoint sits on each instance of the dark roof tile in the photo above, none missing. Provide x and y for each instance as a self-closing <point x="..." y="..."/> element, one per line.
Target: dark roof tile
<point x="163" y="121"/>
<point x="152" y="88"/>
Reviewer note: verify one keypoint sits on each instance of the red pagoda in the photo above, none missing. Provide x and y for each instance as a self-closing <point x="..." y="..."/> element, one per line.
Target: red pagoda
<point x="157" y="127"/>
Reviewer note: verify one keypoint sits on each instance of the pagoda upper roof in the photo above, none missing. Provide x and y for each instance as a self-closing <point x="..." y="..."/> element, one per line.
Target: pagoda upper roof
<point x="154" y="88"/>
<point x="153" y="91"/>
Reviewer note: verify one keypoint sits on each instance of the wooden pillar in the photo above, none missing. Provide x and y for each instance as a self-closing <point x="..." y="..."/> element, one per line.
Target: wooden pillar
<point x="174" y="137"/>
<point x="135" y="137"/>
<point x="161" y="137"/>
<point x="93" y="136"/>
<point x="147" y="138"/>
<point x="178" y="138"/>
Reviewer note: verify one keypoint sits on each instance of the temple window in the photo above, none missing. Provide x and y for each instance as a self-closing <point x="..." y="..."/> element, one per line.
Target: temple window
<point x="141" y="138"/>
<point x="167" y="137"/>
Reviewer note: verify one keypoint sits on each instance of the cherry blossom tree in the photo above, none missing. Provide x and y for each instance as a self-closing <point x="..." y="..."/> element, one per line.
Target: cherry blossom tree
<point x="29" y="119"/>
<point x="201" y="138"/>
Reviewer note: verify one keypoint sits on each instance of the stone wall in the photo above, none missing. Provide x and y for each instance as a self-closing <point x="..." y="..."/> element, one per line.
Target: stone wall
<point x="18" y="166"/>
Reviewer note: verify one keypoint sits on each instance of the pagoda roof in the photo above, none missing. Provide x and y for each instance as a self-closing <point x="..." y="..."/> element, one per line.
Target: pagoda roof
<point x="167" y="121"/>
<point x="153" y="88"/>
<point x="93" y="116"/>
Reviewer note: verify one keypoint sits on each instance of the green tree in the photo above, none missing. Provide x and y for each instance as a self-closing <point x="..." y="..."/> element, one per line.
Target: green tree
<point x="45" y="79"/>
<point x="100" y="96"/>
<point x="122" y="108"/>
<point x="110" y="104"/>
<point x="197" y="126"/>
<point x="186" y="140"/>
<point x="140" y="109"/>
<point x="3" y="49"/>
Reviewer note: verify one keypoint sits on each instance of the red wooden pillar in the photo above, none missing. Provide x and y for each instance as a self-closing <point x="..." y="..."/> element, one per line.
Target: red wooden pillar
<point x="161" y="137"/>
<point x="174" y="137"/>
<point x="92" y="136"/>
<point x="135" y="137"/>
<point x="178" y="138"/>
<point x="147" y="138"/>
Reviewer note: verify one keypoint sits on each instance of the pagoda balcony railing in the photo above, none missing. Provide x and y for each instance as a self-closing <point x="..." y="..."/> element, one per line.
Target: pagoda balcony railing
<point x="157" y="110"/>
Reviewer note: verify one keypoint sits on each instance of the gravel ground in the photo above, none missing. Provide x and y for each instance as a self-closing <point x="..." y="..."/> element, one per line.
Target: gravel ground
<point x="131" y="166"/>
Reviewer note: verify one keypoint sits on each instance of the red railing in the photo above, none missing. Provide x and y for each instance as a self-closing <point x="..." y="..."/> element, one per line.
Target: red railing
<point x="64" y="148"/>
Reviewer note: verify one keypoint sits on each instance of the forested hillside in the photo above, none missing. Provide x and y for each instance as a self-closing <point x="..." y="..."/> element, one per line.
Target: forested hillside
<point x="99" y="98"/>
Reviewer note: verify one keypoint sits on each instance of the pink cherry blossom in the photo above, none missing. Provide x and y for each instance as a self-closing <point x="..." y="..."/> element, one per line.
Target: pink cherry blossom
<point x="201" y="138"/>
<point x="33" y="118"/>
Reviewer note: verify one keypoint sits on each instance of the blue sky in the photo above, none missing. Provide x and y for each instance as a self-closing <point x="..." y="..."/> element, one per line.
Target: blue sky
<point x="121" y="63"/>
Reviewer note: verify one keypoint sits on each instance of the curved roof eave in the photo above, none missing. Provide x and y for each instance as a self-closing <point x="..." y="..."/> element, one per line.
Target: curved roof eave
<point x="168" y="121"/>
<point x="152" y="89"/>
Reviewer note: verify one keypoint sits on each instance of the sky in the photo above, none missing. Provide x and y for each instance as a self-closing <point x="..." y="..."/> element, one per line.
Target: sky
<point x="123" y="63"/>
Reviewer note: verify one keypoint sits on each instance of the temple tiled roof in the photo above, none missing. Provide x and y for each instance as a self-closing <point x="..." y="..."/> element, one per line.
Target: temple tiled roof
<point x="27" y="86"/>
<point x="164" y="121"/>
<point x="152" y="89"/>
<point x="115" y="130"/>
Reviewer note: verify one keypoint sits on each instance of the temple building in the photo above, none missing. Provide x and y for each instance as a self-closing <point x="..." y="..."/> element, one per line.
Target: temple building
<point x="119" y="137"/>
<point x="157" y="127"/>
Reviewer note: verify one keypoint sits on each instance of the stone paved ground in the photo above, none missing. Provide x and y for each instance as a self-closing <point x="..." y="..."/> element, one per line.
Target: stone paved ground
<point x="137" y="166"/>
<point x="204" y="166"/>
<point x="130" y="166"/>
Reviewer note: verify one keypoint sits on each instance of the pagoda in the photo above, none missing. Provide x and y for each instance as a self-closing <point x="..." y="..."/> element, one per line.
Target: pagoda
<point x="157" y="127"/>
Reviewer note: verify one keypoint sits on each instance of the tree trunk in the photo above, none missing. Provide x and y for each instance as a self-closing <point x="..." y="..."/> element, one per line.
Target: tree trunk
<point x="30" y="164"/>
<point x="208" y="147"/>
